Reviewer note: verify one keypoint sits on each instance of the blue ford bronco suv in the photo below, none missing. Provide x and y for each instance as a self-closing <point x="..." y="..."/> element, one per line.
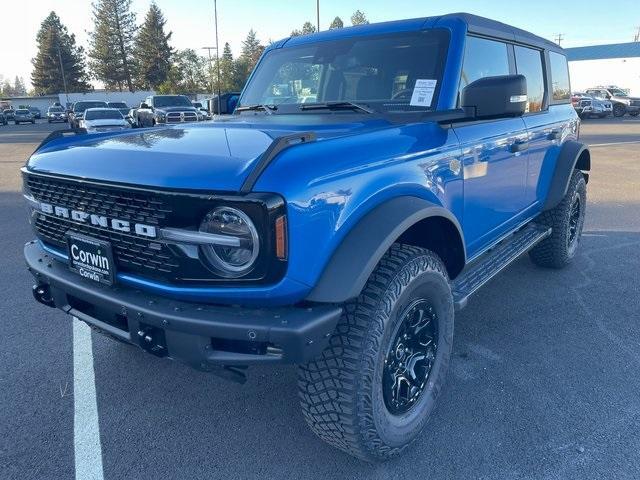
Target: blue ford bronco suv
<point x="369" y="182"/>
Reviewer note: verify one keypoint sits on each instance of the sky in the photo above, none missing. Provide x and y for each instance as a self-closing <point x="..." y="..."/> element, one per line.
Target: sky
<point x="191" y="21"/>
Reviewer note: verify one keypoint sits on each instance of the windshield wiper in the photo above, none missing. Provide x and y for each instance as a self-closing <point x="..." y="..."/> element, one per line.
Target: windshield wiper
<point x="269" y="109"/>
<point x="335" y="106"/>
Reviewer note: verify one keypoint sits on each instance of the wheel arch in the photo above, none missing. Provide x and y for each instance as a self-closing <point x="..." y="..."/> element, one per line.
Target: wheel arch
<point x="406" y="219"/>
<point x="573" y="155"/>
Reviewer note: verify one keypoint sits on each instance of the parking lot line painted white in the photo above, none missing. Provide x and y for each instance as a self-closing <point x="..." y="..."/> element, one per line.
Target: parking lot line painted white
<point x="614" y="143"/>
<point x="86" y="430"/>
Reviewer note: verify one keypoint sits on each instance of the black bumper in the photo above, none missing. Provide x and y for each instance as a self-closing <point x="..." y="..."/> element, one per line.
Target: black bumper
<point x="201" y="335"/>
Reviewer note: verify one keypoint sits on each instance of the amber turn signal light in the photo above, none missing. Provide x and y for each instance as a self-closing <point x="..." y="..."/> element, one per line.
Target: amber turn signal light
<point x="281" y="237"/>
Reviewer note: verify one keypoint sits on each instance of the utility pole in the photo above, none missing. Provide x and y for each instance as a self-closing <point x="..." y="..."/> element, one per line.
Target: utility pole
<point x="559" y="38"/>
<point x="215" y="19"/>
<point x="636" y="38"/>
<point x="208" y="49"/>
<point x="318" y="14"/>
<point x="64" y="80"/>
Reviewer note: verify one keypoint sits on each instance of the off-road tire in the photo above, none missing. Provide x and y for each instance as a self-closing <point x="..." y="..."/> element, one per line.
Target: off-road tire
<point x="341" y="392"/>
<point x="619" y="110"/>
<point x="558" y="250"/>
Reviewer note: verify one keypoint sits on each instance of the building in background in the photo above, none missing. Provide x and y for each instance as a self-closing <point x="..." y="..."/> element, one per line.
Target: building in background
<point x="615" y="64"/>
<point x="132" y="99"/>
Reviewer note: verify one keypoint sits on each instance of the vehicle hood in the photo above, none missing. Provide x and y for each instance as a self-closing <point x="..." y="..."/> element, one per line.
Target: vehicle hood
<point x="213" y="156"/>
<point x="105" y="122"/>
<point x="175" y="109"/>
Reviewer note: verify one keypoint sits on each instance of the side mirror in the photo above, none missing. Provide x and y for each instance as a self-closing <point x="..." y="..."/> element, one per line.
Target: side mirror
<point x="144" y="105"/>
<point x="500" y="96"/>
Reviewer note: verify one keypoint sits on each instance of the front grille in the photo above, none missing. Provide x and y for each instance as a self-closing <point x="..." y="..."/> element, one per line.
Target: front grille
<point x="179" y="117"/>
<point x="143" y="256"/>
<point x="132" y="253"/>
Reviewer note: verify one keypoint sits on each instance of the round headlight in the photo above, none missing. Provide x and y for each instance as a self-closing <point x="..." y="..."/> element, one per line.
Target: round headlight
<point x="231" y="261"/>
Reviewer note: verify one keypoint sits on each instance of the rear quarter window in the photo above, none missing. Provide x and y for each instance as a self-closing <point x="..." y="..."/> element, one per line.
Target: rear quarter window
<point x="529" y="64"/>
<point x="560" y="87"/>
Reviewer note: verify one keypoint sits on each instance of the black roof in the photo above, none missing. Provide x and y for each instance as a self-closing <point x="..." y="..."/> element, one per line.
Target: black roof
<point x="493" y="28"/>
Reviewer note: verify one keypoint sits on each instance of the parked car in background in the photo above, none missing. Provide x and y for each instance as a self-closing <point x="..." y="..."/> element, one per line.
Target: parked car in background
<point x="79" y="108"/>
<point x="203" y="114"/>
<point x="131" y="117"/>
<point x="9" y="113"/>
<point x="588" y="106"/>
<point x="103" y="120"/>
<point x="35" y="111"/>
<point x="56" y="113"/>
<point x="121" y="106"/>
<point x="3" y="119"/>
<point x="166" y="109"/>
<point x="620" y="99"/>
<point x="23" y="115"/>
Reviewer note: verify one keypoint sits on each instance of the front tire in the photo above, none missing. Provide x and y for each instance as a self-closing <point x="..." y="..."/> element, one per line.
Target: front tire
<point x="372" y="390"/>
<point x="619" y="110"/>
<point x="566" y="221"/>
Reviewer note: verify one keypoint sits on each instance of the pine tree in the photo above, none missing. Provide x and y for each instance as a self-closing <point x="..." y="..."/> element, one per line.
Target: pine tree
<point x="56" y="46"/>
<point x="337" y="23"/>
<point x="18" y="87"/>
<point x="359" y="18"/>
<point x="307" y="28"/>
<point x="251" y="49"/>
<point x="111" y="43"/>
<point x="152" y="51"/>
<point x="249" y="56"/>
<point x="227" y="70"/>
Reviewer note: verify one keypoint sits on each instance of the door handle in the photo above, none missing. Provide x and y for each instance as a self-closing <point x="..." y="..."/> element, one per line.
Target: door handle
<point x="519" y="146"/>
<point x="554" y="135"/>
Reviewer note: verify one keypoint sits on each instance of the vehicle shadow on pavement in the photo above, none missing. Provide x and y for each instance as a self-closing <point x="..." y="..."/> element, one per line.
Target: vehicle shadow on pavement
<point x="536" y="353"/>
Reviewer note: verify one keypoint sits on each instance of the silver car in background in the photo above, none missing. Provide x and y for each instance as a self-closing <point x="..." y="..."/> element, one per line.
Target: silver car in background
<point x="56" y="113"/>
<point x="23" y="115"/>
<point x="588" y="106"/>
<point x="103" y="120"/>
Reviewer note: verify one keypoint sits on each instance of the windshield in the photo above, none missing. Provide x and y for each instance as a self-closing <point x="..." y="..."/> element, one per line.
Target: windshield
<point x="377" y="71"/>
<point x="56" y="109"/>
<point x="82" y="106"/>
<point x="172" y="101"/>
<point x="618" y="93"/>
<point x="102" y="115"/>
<point x="22" y="111"/>
<point x="117" y="105"/>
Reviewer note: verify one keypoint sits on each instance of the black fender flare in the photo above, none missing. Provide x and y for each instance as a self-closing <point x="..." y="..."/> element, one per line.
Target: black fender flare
<point x="353" y="261"/>
<point x="572" y="155"/>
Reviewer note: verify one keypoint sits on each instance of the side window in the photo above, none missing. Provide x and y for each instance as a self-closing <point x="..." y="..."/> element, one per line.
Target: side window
<point x="529" y="64"/>
<point x="483" y="58"/>
<point x="559" y="76"/>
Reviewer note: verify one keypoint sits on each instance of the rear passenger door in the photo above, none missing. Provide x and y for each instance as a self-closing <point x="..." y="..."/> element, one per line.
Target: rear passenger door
<point x="494" y="174"/>
<point x="540" y="122"/>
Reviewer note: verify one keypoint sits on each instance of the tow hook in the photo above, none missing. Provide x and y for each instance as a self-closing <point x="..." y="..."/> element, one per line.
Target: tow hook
<point x="152" y="340"/>
<point x="42" y="293"/>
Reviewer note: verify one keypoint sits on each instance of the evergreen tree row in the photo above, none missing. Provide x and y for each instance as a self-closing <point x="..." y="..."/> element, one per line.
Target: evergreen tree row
<point x="125" y="56"/>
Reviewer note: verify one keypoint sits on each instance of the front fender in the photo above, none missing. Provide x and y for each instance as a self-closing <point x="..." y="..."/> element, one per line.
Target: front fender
<point x="357" y="256"/>
<point x="332" y="184"/>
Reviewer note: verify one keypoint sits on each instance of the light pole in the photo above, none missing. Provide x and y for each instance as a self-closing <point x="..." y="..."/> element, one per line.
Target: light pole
<point x="318" y="13"/>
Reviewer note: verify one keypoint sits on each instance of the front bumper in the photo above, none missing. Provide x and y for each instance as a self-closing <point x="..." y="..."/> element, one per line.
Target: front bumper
<point x="202" y="335"/>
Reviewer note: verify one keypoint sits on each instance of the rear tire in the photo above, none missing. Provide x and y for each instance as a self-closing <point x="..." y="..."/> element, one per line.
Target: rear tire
<point x="566" y="221"/>
<point x="398" y="332"/>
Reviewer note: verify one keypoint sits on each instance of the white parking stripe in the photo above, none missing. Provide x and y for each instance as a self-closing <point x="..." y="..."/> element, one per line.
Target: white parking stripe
<point x="614" y="143"/>
<point x="86" y="430"/>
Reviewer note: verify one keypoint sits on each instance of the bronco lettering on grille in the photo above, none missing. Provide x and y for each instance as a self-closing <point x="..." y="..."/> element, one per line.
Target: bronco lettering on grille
<point x="99" y="220"/>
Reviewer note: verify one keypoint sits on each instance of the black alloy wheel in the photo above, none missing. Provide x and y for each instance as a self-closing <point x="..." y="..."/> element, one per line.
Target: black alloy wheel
<point x="410" y="357"/>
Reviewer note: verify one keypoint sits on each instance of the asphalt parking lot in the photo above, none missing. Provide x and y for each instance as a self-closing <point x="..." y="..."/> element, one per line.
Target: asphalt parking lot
<point x="544" y="380"/>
